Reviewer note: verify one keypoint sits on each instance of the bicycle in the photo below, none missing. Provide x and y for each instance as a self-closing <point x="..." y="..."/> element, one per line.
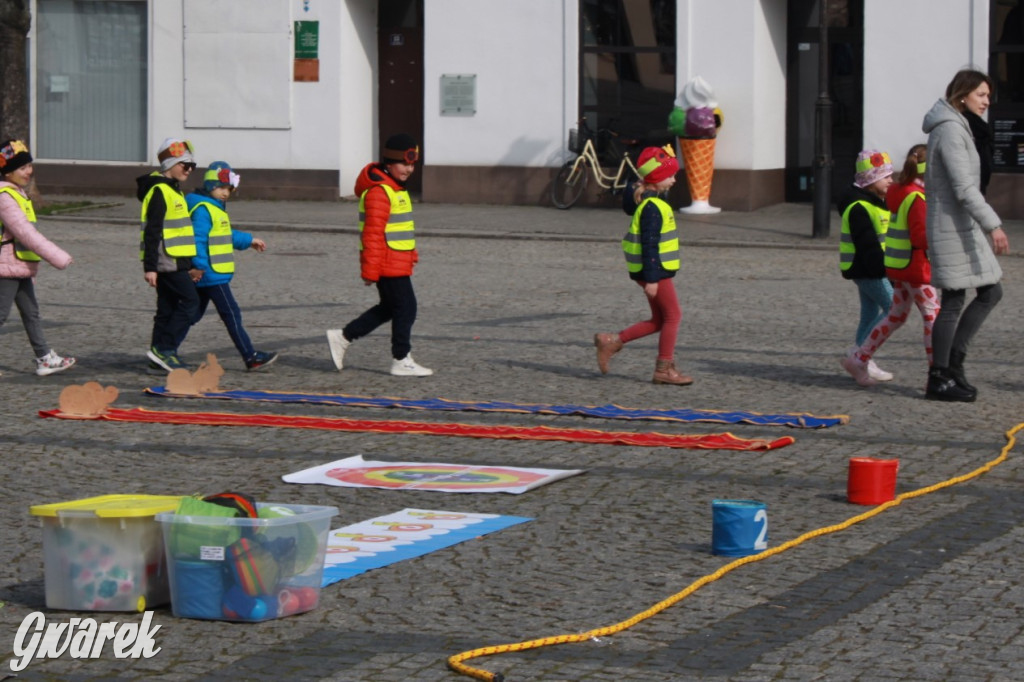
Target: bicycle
<point x="572" y="178"/>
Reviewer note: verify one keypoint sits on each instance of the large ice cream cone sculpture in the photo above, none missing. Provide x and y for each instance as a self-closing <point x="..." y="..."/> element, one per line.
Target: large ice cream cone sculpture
<point x="696" y="119"/>
<point x="699" y="164"/>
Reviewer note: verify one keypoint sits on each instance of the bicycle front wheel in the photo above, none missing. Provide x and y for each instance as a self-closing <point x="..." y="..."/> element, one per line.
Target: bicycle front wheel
<point x="569" y="184"/>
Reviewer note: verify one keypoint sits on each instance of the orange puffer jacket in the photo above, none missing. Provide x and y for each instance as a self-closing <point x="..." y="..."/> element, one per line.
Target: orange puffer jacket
<point x="377" y="259"/>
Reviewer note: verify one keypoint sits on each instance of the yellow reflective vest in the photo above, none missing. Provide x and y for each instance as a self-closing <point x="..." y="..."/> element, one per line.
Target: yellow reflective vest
<point x="399" y="232"/>
<point x="30" y="213"/>
<point x="668" y="243"/>
<point x="879" y="220"/>
<point x="179" y="239"/>
<point x="897" y="238"/>
<point x="221" y="246"/>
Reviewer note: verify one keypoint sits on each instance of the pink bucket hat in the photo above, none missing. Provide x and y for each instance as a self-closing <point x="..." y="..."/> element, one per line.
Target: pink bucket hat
<point x="872" y="165"/>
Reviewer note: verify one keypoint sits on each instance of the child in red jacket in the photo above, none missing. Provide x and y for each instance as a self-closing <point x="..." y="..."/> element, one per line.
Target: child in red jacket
<point x="906" y="262"/>
<point x="387" y="255"/>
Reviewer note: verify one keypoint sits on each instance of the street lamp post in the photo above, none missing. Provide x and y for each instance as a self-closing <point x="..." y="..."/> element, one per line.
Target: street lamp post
<point x="822" y="133"/>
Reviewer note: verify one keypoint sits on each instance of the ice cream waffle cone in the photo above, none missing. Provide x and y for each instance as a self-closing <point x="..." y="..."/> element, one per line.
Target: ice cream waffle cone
<point x="699" y="163"/>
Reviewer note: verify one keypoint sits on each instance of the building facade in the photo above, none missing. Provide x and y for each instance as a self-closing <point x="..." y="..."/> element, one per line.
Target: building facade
<point x="299" y="93"/>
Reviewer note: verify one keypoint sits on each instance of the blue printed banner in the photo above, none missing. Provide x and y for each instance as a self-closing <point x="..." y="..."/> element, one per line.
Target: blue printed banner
<point x="403" y="535"/>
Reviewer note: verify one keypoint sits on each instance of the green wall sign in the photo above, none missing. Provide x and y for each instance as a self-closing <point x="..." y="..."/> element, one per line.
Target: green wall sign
<point x="307" y="39"/>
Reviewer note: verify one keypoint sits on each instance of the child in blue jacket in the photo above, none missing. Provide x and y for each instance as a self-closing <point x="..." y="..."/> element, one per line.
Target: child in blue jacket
<point x="216" y="243"/>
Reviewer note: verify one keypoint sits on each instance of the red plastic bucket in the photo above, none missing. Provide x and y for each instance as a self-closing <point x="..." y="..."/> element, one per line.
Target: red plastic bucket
<point x="871" y="481"/>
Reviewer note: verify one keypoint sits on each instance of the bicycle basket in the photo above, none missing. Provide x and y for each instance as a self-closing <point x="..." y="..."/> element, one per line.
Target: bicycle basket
<point x="575" y="141"/>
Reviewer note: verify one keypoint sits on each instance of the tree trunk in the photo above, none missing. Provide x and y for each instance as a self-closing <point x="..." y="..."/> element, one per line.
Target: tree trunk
<point x="15" y="22"/>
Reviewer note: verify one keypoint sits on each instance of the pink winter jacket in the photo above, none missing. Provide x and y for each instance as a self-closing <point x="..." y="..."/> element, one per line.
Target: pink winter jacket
<point x="17" y="226"/>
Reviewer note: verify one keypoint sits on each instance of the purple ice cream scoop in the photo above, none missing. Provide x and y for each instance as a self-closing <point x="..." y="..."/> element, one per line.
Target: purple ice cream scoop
<point x="700" y="122"/>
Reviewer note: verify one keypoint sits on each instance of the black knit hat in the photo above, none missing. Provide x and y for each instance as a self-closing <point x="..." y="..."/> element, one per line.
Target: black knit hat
<point x="401" y="148"/>
<point x="13" y="155"/>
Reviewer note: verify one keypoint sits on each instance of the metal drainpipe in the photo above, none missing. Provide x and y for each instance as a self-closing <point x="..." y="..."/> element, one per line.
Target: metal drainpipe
<point x="822" y="133"/>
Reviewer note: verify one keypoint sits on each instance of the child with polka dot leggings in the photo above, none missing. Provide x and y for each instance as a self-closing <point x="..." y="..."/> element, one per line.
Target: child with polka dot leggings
<point x="906" y="266"/>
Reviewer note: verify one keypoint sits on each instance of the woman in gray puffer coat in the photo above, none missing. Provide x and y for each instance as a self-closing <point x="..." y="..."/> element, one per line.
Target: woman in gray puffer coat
<point x="959" y="224"/>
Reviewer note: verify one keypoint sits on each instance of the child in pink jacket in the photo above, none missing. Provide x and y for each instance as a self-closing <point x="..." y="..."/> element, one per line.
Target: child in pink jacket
<point x="22" y="248"/>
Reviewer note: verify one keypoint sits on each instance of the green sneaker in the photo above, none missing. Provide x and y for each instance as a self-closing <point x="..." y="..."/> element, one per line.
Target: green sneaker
<point x="168" y="361"/>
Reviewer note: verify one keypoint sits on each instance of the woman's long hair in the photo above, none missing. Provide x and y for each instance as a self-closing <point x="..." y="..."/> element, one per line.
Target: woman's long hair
<point x="964" y="83"/>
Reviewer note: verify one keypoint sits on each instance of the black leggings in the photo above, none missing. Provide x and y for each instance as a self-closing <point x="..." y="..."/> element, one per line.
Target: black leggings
<point x="953" y="331"/>
<point x="397" y="304"/>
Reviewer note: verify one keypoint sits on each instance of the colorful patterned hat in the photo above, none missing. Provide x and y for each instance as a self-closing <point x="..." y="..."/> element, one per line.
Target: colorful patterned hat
<point x="13" y="155"/>
<point x="173" y="151"/>
<point x="220" y="174"/>
<point x="872" y="165"/>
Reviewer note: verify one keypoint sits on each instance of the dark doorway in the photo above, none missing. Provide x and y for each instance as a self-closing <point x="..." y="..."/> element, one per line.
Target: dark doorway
<point x="846" y="89"/>
<point x="628" y="68"/>
<point x="400" y="74"/>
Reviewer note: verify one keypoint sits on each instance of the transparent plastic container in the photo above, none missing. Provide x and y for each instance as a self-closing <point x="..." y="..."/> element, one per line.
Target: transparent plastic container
<point x="105" y="553"/>
<point x="247" y="569"/>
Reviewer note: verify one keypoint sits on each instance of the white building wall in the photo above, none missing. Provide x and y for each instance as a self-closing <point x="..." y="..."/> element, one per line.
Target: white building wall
<point x="166" y="76"/>
<point x="739" y="48"/>
<point x="912" y="49"/>
<point x="314" y="138"/>
<point x="524" y="56"/>
<point x="768" y="144"/>
<point x="354" y="88"/>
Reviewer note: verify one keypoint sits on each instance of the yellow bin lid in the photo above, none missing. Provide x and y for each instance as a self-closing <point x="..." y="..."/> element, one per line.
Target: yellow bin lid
<point x="110" y="506"/>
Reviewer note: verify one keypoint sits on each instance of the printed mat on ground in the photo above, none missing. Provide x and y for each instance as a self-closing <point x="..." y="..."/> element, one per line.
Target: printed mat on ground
<point x="403" y="535"/>
<point x="356" y="472"/>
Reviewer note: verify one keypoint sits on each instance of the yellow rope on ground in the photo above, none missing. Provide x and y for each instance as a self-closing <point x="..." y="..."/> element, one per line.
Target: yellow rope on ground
<point x="456" y="662"/>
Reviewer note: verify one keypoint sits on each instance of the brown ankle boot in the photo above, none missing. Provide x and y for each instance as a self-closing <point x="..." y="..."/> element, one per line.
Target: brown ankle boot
<point x="665" y="373"/>
<point x="607" y="346"/>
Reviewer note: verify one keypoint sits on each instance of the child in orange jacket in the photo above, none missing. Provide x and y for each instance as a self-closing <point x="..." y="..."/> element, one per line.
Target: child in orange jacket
<point x="387" y="255"/>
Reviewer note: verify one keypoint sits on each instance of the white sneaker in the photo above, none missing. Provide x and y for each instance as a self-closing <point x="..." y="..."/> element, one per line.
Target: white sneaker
<point x="877" y="373"/>
<point x="857" y="369"/>
<point x="52" y="363"/>
<point x="339" y="344"/>
<point x="407" y="367"/>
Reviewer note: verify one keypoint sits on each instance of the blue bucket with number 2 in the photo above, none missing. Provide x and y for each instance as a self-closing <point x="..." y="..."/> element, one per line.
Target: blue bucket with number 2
<point x="740" y="527"/>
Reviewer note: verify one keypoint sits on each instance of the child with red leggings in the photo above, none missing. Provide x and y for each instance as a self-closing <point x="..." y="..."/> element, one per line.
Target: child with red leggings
<point x="652" y="256"/>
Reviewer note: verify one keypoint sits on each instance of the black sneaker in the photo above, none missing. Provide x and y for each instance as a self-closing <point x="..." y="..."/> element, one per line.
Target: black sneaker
<point x="155" y="369"/>
<point x="260" y="360"/>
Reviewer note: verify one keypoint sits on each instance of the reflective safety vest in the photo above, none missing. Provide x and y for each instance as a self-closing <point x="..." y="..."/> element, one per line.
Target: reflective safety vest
<point x="897" y="237"/>
<point x="222" y="248"/>
<point x="399" y="232"/>
<point x="179" y="239"/>
<point x="30" y="213"/>
<point x="879" y="219"/>
<point x="668" y="243"/>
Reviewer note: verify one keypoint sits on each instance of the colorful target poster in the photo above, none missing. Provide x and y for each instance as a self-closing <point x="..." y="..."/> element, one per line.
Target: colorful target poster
<point x="355" y="472"/>
<point x="403" y="535"/>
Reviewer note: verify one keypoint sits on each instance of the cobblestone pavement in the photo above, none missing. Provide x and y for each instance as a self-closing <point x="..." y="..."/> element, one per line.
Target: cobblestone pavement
<point x="932" y="589"/>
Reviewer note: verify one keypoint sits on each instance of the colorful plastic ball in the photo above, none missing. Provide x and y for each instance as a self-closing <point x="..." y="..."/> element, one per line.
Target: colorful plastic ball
<point x="308" y="597"/>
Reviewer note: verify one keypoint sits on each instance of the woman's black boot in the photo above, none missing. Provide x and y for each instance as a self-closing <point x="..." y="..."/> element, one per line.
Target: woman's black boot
<point x="942" y="386"/>
<point x="956" y="371"/>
